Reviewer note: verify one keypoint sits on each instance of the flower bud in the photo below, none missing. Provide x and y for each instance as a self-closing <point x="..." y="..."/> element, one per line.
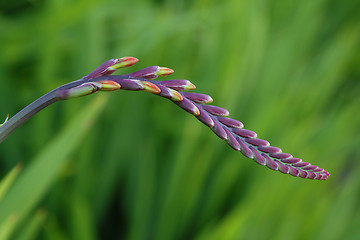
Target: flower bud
<point x="164" y="71"/>
<point x="107" y="85"/>
<point x="79" y="91"/>
<point x="150" y="87"/>
<point x="123" y="62"/>
<point x="111" y="66"/>
<point x="152" y="72"/>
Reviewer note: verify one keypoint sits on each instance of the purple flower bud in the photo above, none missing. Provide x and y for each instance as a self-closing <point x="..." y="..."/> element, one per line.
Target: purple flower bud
<point x="311" y="175"/>
<point x="178" y="84"/>
<point x="300" y="164"/>
<point x="169" y="93"/>
<point x="205" y="118"/>
<point x="293" y="171"/>
<point x="164" y="92"/>
<point x="148" y="72"/>
<point x="302" y="173"/>
<point x="269" y="149"/>
<point x="257" y="156"/>
<point x="257" y="142"/>
<point x="79" y="91"/>
<point x="111" y="66"/>
<point x="270" y="163"/>
<point x="318" y="176"/>
<point x="150" y="87"/>
<point x="175" y="95"/>
<point x="280" y="155"/>
<point x="198" y="97"/>
<point x="318" y="170"/>
<point x="232" y="141"/>
<point x="244" y="133"/>
<point x="310" y="168"/>
<point x="152" y="72"/>
<point x="230" y="122"/>
<point x="219" y="130"/>
<point x="291" y="160"/>
<point x="188" y="106"/>
<point x="217" y="111"/>
<point x="283" y="168"/>
<point x="245" y="150"/>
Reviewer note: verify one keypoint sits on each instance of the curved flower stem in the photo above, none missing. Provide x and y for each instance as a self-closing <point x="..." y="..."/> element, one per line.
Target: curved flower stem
<point x="30" y="110"/>
<point x="51" y="97"/>
<point x="197" y="104"/>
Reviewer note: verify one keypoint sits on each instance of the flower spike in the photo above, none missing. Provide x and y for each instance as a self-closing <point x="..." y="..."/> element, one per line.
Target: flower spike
<point x="216" y="118"/>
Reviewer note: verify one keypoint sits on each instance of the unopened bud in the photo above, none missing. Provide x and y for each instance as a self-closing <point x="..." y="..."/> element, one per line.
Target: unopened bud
<point x="79" y="91"/>
<point x="164" y="71"/>
<point x="107" y="85"/>
<point x="123" y="62"/>
<point x="150" y="87"/>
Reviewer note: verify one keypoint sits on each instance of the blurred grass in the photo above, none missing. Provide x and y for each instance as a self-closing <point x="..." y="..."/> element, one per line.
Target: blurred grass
<point x="147" y="170"/>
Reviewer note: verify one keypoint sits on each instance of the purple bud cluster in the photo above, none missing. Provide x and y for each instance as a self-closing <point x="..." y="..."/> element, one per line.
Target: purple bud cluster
<point x="214" y="117"/>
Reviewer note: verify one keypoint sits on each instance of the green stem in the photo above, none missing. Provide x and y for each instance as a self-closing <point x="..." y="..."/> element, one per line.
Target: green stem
<point x="30" y="110"/>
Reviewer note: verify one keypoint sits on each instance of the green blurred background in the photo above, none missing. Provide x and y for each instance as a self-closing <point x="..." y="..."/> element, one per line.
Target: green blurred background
<point x="129" y="165"/>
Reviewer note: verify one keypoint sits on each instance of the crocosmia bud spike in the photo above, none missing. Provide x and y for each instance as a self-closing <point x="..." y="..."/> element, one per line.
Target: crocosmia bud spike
<point x="231" y="130"/>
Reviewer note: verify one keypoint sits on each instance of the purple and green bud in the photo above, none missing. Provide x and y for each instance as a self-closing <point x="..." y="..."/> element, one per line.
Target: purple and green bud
<point x="188" y="106"/>
<point x="150" y="87"/>
<point x="198" y="97"/>
<point x="205" y="118"/>
<point x="230" y="122"/>
<point x="219" y="130"/>
<point x="178" y="84"/>
<point x="107" y="85"/>
<point x="164" y="71"/>
<point x="232" y="141"/>
<point x="152" y="72"/>
<point x="111" y="66"/>
<point x="217" y="111"/>
<point x="79" y="91"/>
<point x="122" y="63"/>
<point x="175" y="95"/>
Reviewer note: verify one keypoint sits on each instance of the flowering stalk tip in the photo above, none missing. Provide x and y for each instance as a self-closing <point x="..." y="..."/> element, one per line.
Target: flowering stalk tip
<point x="214" y="117"/>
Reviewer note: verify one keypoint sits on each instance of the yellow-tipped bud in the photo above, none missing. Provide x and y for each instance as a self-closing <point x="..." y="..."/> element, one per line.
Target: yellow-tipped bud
<point x="123" y="62"/>
<point x="107" y="85"/>
<point x="164" y="71"/>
